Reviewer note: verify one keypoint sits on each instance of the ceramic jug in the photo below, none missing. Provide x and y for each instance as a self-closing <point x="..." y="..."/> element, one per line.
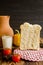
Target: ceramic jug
<point x="5" y="28"/>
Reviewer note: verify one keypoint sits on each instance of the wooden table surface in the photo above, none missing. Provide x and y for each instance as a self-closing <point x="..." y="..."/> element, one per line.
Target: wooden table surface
<point x="21" y="62"/>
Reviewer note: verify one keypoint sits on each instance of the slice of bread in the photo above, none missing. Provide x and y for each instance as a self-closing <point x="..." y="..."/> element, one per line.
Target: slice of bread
<point x="30" y="36"/>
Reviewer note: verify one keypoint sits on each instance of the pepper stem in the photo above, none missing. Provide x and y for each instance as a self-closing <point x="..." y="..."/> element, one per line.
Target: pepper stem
<point x="17" y="31"/>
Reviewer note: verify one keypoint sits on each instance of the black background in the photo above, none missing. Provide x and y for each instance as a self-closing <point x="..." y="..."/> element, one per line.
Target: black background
<point x="23" y="10"/>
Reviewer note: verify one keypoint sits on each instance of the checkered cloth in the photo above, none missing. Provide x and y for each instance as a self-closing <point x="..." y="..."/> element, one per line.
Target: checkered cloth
<point x="31" y="55"/>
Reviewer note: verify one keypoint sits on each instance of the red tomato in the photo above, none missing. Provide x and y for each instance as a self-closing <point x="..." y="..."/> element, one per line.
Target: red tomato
<point x="7" y="51"/>
<point x="16" y="58"/>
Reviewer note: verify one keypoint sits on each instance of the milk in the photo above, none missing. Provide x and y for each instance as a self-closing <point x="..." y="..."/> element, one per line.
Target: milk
<point x="7" y="42"/>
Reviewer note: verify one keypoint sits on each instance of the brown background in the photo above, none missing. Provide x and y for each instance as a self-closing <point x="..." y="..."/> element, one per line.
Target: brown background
<point x="23" y="10"/>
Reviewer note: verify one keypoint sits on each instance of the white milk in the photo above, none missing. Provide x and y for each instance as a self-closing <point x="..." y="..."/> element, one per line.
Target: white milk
<point x="7" y="42"/>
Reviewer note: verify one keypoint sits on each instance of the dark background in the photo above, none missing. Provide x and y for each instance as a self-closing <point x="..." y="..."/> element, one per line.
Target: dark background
<point x="21" y="11"/>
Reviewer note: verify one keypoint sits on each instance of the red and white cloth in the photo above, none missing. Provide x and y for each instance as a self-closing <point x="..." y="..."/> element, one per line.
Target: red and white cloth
<point x="31" y="55"/>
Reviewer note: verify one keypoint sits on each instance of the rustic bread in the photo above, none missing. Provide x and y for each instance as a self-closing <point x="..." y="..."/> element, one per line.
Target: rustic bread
<point x="30" y="36"/>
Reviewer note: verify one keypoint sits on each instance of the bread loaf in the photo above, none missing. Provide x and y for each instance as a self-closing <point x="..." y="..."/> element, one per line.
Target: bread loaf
<point x="30" y="36"/>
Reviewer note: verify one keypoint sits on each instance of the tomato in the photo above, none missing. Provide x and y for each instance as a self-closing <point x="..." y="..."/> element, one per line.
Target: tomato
<point x="16" y="58"/>
<point x="7" y="51"/>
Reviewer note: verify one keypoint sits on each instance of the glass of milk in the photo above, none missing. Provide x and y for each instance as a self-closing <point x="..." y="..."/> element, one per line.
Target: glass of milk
<point x="7" y="42"/>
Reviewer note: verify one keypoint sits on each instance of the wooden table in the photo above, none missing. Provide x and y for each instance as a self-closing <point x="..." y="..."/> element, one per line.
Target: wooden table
<point x="21" y="62"/>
